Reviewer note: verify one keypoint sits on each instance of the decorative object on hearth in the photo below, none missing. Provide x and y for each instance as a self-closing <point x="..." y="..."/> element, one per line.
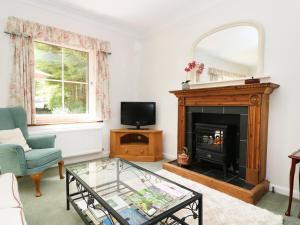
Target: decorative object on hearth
<point x="252" y="80"/>
<point x="183" y="158"/>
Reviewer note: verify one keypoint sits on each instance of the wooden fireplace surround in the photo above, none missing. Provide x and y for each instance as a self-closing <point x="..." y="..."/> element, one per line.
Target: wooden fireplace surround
<point x="256" y="97"/>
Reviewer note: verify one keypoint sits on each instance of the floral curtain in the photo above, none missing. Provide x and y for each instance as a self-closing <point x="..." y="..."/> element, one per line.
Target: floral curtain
<point x="22" y="75"/>
<point x="23" y="68"/>
<point x="102" y="91"/>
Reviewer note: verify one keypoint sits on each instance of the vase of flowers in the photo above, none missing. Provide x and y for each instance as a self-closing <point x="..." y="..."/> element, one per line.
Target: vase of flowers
<point x="196" y="69"/>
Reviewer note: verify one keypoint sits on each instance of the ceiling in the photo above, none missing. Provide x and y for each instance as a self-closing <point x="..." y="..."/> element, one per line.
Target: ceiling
<point x="140" y="15"/>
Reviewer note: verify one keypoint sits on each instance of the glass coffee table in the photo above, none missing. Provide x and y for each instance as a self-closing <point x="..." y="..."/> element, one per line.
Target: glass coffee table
<point x="115" y="191"/>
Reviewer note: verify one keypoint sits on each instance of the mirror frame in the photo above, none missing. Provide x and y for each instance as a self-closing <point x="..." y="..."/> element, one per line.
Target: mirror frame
<point x="261" y="42"/>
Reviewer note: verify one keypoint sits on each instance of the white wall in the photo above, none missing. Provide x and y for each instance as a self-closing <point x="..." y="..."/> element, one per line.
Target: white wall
<point x="124" y="63"/>
<point x="165" y="55"/>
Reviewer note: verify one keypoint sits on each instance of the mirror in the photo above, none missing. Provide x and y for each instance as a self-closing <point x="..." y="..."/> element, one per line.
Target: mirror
<point x="231" y="52"/>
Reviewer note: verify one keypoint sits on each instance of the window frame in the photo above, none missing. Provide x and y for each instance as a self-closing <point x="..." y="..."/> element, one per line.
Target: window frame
<point x="90" y="115"/>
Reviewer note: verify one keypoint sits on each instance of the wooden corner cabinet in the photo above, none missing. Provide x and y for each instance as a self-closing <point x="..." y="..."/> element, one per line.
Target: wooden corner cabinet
<point x="136" y="145"/>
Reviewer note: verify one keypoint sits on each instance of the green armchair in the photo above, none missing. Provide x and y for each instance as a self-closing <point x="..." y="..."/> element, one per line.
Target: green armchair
<point x="42" y="156"/>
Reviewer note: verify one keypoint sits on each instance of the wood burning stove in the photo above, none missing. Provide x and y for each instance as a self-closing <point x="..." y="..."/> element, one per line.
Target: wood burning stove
<point x="215" y="144"/>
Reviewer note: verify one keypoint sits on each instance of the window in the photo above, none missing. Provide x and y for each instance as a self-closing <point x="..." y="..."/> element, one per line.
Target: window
<point x="63" y="84"/>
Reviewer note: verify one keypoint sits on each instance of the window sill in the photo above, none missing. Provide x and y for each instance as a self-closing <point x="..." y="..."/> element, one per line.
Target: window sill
<point x="66" y="127"/>
<point x="62" y="123"/>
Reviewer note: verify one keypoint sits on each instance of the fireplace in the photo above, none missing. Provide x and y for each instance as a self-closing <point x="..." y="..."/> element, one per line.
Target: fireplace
<point x="225" y="130"/>
<point x="215" y="143"/>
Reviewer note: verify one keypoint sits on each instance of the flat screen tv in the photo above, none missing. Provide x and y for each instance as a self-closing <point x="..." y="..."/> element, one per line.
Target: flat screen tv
<point x="138" y="113"/>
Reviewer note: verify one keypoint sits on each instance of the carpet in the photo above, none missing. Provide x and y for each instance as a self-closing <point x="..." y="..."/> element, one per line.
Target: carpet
<point x="219" y="208"/>
<point x="222" y="209"/>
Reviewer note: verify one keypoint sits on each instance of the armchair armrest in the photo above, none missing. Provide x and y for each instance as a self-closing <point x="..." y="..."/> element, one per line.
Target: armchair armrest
<point x="39" y="142"/>
<point x="12" y="159"/>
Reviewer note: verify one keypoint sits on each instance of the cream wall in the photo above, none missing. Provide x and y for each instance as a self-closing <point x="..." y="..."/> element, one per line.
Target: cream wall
<point x="79" y="139"/>
<point x="166" y="53"/>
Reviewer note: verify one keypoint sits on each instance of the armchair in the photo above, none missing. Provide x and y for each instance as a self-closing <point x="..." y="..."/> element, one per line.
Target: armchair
<point x="42" y="156"/>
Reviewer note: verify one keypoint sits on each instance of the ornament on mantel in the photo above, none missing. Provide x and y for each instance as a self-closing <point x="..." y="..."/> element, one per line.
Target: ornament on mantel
<point x="194" y="68"/>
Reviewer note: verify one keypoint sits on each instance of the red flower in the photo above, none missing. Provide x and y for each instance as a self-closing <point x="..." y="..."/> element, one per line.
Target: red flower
<point x="187" y="69"/>
<point x="192" y="65"/>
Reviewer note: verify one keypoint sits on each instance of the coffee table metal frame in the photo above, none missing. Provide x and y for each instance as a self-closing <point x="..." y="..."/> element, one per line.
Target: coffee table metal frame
<point x="193" y="204"/>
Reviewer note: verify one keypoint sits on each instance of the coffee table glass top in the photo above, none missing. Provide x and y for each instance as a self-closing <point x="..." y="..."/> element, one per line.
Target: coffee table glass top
<point x="136" y="194"/>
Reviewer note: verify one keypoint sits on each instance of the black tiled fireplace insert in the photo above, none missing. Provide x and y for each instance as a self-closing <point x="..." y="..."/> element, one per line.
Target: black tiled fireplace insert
<point x="217" y="139"/>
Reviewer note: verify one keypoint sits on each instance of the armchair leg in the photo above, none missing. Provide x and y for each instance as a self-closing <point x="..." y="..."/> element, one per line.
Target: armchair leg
<point x="61" y="169"/>
<point x="37" y="181"/>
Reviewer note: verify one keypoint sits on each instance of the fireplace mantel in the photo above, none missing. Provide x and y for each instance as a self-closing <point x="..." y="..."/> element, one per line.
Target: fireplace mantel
<point x="249" y="89"/>
<point x="256" y="98"/>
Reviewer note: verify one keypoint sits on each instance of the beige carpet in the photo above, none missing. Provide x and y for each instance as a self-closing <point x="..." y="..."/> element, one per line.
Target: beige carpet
<point x="222" y="209"/>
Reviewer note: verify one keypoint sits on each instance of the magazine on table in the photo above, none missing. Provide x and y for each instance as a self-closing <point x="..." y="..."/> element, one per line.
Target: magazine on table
<point x="131" y="215"/>
<point x="158" y="196"/>
<point x="172" y="189"/>
<point x="149" y="200"/>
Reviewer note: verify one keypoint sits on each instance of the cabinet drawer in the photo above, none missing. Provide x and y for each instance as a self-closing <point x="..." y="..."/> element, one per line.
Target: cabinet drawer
<point x="210" y="156"/>
<point x="136" y="150"/>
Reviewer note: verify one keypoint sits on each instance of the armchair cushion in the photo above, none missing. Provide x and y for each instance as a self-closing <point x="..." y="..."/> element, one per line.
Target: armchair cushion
<point x="38" y="142"/>
<point x="40" y="157"/>
<point x="13" y="136"/>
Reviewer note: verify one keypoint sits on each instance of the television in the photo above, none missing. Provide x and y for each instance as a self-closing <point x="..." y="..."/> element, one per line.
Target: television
<point x="138" y="113"/>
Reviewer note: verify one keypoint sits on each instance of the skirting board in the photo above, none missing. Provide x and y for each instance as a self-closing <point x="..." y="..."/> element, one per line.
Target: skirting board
<point x="169" y="156"/>
<point x="85" y="157"/>
<point x="285" y="191"/>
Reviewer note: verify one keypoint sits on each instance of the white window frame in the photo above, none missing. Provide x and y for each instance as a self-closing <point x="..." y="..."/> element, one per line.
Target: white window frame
<point x="90" y="116"/>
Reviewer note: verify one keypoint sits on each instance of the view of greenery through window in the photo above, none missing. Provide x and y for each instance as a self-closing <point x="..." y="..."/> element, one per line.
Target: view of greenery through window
<point x="61" y="80"/>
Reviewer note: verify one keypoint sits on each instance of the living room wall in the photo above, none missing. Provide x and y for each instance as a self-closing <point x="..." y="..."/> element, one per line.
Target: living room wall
<point x="79" y="139"/>
<point x="166" y="53"/>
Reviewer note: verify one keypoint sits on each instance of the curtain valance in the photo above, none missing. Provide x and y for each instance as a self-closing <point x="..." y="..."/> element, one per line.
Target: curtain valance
<point x="37" y="31"/>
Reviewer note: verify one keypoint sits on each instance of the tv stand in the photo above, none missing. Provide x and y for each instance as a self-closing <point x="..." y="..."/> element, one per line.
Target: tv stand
<point x="136" y="144"/>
